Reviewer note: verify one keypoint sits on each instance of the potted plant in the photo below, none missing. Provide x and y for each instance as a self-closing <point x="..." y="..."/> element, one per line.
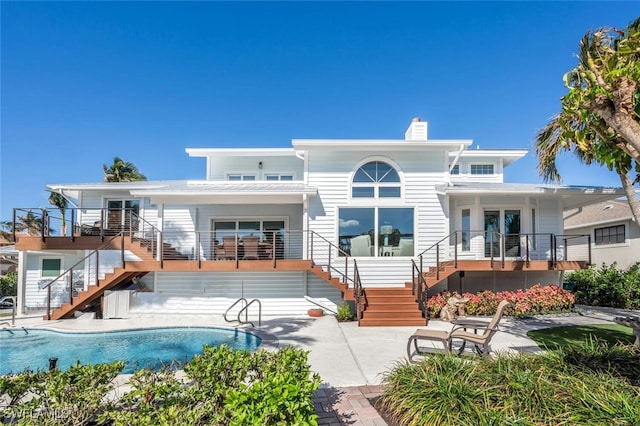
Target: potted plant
<point x="315" y="312"/>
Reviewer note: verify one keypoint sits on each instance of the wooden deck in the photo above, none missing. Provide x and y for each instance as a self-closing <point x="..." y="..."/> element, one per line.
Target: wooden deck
<point x="385" y="306"/>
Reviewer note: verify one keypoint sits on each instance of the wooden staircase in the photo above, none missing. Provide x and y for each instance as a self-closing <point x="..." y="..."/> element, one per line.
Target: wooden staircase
<point x="87" y="297"/>
<point x="391" y="306"/>
<point x="433" y="276"/>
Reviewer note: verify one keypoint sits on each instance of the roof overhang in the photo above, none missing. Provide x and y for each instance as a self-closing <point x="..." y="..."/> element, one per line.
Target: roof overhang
<point x="378" y="145"/>
<point x="240" y="152"/>
<point x="571" y="196"/>
<point x="508" y="156"/>
<point x="197" y="192"/>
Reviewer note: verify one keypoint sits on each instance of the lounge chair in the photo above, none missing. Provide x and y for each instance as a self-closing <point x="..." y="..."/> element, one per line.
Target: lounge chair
<point x="361" y="246"/>
<point x="229" y="247"/>
<point x="459" y="332"/>
<point x="250" y="246"/>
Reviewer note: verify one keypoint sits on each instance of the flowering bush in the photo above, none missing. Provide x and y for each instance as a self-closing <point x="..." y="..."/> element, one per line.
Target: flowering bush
<point x="535" y="300"/>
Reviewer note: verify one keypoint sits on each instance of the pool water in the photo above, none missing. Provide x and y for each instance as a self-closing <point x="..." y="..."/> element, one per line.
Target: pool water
<point x="22" y="349"/>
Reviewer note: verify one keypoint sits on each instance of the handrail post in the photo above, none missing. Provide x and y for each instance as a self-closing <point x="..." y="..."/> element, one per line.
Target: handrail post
<point x="438" y="262"/>
<point x="122" y="248"/>
<point x="73" y="225"/>
<point x="503" y="239"/>
<point x="273" y="248"/>
<point x="589" y="247"/>
<point x="310" y="246"/>
<point x="71" y="286"/>
<point x="198" y="250"/>
<point x="102" y="224"/>
<point x="236" y="250"/>
<point x="329" y="263"/>
<point x="48" y="302"/>
<point x="526" y="251"/>
<point x="565" y="251"/>
<point x="455" y="250"/>
<point x="97" y="268"/>
<point x="13" y="230"/>
<point x="160" y="247"/>
<point x="44" y="226"/>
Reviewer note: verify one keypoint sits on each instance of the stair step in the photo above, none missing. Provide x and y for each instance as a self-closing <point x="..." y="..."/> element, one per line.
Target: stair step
<point x="391" y="314"/>
<point x="395" y="291"/>
<point x="392" y="322"/>
<point x="409" y="306"/>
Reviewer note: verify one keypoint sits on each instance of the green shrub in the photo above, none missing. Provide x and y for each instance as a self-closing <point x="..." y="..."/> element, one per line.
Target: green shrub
<point x="344" y="312"/>
<point x="607" y="286"/>
<point x="9" y="284"/>
<point x="221" y="387"/>
<point x="522" y="389"/>
<point x="73" y="397"/>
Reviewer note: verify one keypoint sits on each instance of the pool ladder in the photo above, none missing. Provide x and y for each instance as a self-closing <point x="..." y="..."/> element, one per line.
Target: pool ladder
<point x="245" y="310"/>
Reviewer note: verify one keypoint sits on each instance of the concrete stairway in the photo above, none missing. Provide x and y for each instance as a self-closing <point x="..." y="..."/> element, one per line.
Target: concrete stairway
<point x="391" y="306"/>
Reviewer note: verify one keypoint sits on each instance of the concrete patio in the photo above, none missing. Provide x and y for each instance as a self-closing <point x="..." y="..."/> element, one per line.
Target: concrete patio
<point x="351" y="360"/>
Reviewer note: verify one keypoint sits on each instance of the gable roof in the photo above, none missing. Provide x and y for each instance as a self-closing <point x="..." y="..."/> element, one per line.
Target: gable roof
<point x="597" y="214"/>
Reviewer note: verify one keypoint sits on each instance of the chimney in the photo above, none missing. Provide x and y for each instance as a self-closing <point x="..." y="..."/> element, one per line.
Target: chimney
<point x="417" y="130"/>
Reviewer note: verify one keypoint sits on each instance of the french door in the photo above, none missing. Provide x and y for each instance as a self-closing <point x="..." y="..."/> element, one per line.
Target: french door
<point x="507" y="223"/>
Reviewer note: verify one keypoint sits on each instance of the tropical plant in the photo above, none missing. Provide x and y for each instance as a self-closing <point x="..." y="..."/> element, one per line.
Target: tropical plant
<point x="122" y="171"/>
<point x="599" y="119"/>
<point x="58" y="200"/>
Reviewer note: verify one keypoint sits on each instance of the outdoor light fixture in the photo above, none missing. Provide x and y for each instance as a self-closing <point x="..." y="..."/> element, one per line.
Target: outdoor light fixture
<point x="260" y="165"/>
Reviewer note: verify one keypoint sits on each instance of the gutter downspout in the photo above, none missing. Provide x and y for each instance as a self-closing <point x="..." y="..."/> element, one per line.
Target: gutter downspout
<point x="457" y="158"/>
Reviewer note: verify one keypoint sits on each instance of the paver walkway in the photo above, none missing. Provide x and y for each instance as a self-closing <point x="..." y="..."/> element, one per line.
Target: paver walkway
<point x="348" y="406"/>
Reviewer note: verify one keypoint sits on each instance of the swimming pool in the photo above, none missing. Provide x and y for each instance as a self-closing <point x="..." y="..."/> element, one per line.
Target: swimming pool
<point x="22" y="348"/>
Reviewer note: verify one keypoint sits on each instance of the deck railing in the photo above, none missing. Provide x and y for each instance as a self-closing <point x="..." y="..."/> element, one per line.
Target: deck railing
<point x="87" y="271"/>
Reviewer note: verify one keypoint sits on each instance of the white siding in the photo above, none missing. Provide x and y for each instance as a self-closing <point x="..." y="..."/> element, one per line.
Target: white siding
<point x="280" y="292"/>
<point x="220" y="167"/>
<point x="331" y="174"/>
<point x="35" y="296"/>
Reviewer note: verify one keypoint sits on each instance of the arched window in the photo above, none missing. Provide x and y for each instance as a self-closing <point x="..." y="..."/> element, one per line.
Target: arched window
<point x="374" y="228"/>
<point x="375" y="179"/>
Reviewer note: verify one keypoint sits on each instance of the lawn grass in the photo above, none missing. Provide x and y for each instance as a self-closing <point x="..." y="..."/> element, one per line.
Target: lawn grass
<point x="558" y="337"/>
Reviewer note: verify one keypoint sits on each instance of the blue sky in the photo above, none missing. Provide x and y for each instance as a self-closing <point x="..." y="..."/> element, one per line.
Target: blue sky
<point x="83" y="82"/>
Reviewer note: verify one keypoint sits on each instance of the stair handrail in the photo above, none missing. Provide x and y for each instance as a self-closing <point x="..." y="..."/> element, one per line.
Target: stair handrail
<point x="246" y="313"/>
<point x="70" y="270"/>
<point x="340" y="253"/>
<point x="359" y="293"/>
<point x="419" y="288"/>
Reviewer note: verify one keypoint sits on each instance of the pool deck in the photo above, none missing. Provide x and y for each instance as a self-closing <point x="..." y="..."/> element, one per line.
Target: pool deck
<point x="350" y="359"/>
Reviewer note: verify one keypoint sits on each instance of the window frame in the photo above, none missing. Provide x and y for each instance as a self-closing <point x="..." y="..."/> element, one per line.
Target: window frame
<point x="53" y="274"/>
<point x="279" y="177"/>
<point x="483" y="166"/>
<point x="377" y="184"/>
<point x="598" y="241"/>
<point x="244" y="177"/>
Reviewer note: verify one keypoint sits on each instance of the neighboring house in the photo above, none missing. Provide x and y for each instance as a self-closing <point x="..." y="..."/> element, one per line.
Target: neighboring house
<point x="381" y="223"/>
<point x="615" y="236"/>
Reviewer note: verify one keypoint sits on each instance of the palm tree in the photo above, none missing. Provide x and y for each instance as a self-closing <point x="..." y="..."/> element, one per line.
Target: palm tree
<point x="122" y="171"/>
<point x="58" y="200"/>
<point x="600" y="117"/>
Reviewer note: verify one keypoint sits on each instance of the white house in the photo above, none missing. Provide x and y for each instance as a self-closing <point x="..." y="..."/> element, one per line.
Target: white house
<point x="381" y="223"/>
<point x="615" y="237"/>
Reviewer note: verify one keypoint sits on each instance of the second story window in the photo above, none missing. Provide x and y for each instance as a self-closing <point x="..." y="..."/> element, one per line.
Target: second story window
<point x="240" y="177"/>
<point x="455" y="170"/>
<point x="277" y="176"/>
<point x="375" y="179"/>
<point x="482" y="169"/>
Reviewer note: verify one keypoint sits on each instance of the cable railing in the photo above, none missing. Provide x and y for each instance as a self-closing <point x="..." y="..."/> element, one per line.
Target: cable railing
<point x="499" y="247"/>
<point x="359" y="293"/>
<point x="98" y="262"/>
